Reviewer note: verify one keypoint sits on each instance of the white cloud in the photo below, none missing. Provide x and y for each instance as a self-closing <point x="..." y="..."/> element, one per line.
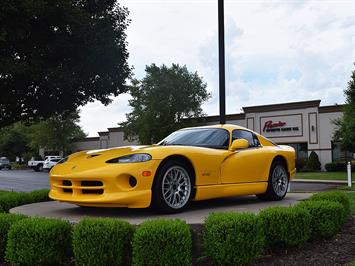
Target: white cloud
<point x="276" y="51"/>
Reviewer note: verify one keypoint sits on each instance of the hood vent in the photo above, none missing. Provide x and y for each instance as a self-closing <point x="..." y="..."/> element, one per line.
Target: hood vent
<point x="92" y="156"/>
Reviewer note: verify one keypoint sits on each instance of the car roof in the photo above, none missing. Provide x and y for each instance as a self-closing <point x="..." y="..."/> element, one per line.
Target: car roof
<point x="224" y="126"/>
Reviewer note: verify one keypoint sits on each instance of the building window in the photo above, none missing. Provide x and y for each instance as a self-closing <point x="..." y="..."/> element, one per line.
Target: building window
<point x="338" y="154"/>
<point x="301" y="150"/>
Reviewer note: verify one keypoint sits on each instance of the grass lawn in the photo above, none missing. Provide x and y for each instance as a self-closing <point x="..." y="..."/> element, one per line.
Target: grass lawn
<point x="324" y="175"/>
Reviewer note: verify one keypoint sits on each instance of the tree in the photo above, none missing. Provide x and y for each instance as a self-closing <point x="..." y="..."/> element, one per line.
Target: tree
<point x="56" y="133"/>
<point x="58" y="55"/>
<point x="24" y="140"/>
<point x="345" y="132"/>
<point x="164" y="100"/>
<point x="313" y="163"/>
<point x="13" y="141"/>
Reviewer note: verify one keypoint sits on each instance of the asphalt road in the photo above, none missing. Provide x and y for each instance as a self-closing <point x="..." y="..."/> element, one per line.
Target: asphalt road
<point x="23" y="180"/>
<point x="28" y="180"/>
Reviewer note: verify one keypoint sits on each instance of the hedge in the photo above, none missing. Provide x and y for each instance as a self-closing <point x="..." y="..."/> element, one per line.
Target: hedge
<point x="286" y="226"/>
<point x="327" y="217"/>
<point x="335" y="196"/>
<point x="38" y="241"/>
<point x="101" y="241"/>
<point x="233" y="238"/>
<point x="6" y="220"/>
<point x="162" y="242"/>
<point x="9" y="200"/>
<point x="338" y="167"/>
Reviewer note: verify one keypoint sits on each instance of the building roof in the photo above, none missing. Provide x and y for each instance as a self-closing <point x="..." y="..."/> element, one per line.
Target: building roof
<point x="331" y="108"/>
<point x="281" y="106"/>
<point x="115" y="129"/>
<point x="87" y="139"/>
<point x="103" y="133"/>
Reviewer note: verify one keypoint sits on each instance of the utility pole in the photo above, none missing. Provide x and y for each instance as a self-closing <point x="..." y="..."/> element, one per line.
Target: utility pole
<point x="221" y="56"/>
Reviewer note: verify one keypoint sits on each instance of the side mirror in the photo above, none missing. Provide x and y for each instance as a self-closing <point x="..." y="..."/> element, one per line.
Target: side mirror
<point x="239" y="144"/>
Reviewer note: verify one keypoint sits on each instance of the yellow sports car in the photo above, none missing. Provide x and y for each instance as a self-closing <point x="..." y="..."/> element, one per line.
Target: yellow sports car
<point x="190" y="164"/>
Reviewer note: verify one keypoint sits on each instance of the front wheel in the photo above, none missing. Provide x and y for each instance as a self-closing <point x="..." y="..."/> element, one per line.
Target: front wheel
<point x="172" y="189"/>
<point x="277" y="184"/>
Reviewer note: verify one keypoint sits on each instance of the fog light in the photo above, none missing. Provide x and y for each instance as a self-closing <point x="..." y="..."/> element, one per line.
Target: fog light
<point x="146" y="173"/>
<point x="132" y="181"/>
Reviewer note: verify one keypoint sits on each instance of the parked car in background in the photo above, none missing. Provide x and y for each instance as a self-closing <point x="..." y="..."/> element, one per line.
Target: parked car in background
<point x="50" y="162"/>
<point x="37" y="163"/>
<point x="5" y="163"/>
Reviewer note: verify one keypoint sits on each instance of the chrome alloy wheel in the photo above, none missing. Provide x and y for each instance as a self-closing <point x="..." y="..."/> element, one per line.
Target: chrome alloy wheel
<point x="280" y="180"/>
<point x="176" y="187"/>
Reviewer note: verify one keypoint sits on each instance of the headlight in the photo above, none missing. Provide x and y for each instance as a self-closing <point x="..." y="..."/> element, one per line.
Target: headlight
<point x="132" y="158"/>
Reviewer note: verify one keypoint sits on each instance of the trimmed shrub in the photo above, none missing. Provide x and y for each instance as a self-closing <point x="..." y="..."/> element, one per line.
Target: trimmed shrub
<point x="39" y="195"/>
<point x="326" y="216"/>
<point x="101" y="241"/>
<point x="338" y="166"/>
<point x="335" y="196"/>
<point x="233" y="238"/>
<point x="286" y="226"/>
<point x="313" y="163"/>
<point x="300" y="164"/>
<point x="9" y="200"/>
<point x="6" y="220"/>
<point x="162" y="242"/>
<point x="38" y="241"/>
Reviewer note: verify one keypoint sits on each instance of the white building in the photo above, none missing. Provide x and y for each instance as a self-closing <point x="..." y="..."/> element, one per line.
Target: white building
<point x="306" y="126"/>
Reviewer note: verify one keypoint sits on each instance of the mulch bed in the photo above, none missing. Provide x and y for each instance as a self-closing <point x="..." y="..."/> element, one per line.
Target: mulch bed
<point x="339" y="250"/>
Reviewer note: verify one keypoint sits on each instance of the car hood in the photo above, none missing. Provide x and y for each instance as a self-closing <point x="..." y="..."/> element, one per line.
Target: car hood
<point x="156" y="151"/>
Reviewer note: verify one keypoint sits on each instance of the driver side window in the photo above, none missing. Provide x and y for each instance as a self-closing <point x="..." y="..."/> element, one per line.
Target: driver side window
<point x="244" y="134"/>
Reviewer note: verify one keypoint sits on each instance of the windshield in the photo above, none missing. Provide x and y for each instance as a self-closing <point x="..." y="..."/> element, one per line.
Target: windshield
<point x="203" y="137"/>
<point x="4" y="161"/>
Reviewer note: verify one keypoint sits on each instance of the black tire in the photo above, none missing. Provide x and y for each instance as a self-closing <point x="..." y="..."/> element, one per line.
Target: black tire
<point x="39" y="168"/>
<point x="277" y="183"/>
<point x="182" y="192"/>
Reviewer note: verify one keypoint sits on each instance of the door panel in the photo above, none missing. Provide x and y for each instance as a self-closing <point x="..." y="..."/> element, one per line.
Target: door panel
<point x="248" y="165"/>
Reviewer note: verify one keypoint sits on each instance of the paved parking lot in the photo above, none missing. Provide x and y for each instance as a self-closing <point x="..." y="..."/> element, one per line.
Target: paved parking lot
<point x="23" y="180"/>
<point x="28" y="180"/>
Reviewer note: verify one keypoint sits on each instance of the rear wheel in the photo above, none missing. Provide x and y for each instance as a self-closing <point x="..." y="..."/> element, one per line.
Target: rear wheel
<point x="277" y="184"/>
<point x="172" y="188"/>
<point x="39" y="168"/>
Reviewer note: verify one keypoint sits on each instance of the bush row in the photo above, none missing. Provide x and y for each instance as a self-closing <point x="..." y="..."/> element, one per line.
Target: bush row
<point x="338" y="166"/>
<point x="10" y="200"/>
<point x="228" y="238"/>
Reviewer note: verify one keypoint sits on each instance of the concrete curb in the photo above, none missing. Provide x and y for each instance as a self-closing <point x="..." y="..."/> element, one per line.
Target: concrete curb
<point x="321" y="181"/>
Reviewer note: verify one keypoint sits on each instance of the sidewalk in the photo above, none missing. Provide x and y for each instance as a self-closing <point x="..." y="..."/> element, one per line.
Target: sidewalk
<point x="321" y="181"/>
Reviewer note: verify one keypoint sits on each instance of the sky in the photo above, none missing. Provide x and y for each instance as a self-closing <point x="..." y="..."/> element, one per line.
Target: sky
<point x="276" y="51"/>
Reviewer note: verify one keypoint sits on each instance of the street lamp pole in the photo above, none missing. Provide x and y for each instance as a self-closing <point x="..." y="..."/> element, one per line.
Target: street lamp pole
<point x="221" y="56"/>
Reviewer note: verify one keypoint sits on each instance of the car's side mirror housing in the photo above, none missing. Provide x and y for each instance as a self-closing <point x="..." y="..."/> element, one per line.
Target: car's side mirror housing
<point x="239" y="144"/>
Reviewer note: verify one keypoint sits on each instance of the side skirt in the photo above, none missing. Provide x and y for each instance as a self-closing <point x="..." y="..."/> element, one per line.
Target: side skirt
<point x="229" y="190"/>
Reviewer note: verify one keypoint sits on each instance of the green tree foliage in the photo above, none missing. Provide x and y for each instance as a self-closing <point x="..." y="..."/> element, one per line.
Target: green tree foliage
<point x="58" y="55"/>
<point x="24" y="140"/>
<point x="345" y="132"/>
<point x="162" y="101"/>
<point x="13" y="141"/>
<point x="56" y="133"/>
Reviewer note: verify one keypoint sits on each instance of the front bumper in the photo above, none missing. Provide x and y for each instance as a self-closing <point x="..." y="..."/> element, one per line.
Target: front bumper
<point x="105" y="186"/>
